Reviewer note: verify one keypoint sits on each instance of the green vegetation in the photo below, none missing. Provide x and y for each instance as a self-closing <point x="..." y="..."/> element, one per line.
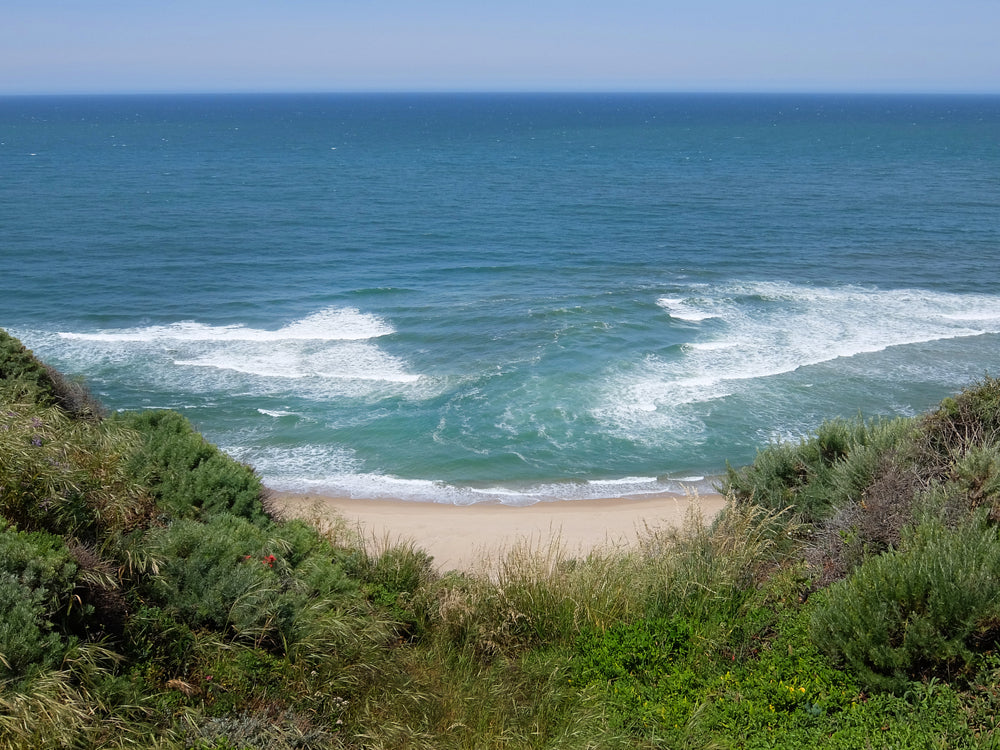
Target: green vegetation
<point x="848" y="596"/>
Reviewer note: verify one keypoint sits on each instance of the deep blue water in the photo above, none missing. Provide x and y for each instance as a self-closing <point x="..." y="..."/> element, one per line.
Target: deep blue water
<point x="480" y="297"/>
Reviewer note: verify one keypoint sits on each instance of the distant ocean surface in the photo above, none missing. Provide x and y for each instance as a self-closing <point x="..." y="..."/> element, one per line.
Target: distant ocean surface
<point x="513" y="298"/>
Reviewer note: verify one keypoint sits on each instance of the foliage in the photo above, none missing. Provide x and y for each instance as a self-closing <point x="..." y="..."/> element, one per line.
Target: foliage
<point x="63" y="474"/>
<point x="18" y="364"/>
<point x="52" y="388"/>
<point x="189" y="477"/>
<point x="236" y="577"/>
<point x="820" y="473"/>
<point x="971" y="418"/>
<point x="921" y="611"/>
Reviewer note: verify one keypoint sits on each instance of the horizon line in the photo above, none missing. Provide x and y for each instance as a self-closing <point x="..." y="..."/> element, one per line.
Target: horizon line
<point x="504" y="92"/>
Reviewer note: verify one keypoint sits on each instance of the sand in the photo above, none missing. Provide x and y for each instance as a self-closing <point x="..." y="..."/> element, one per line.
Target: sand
<point x="473" y="537"/>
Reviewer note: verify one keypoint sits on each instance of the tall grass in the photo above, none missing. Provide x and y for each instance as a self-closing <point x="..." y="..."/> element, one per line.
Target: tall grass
<point x="701" y="570"/>
<point x="62" y="474"/>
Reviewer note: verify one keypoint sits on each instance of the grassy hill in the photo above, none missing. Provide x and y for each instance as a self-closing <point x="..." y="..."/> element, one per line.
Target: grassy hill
<point x="848" y="597"/>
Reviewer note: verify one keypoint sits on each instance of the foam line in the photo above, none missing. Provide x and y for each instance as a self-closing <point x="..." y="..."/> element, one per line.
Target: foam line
<point x="330" y="324"/>
<point x="331" y="344"/>
<point x="771" y="328"/>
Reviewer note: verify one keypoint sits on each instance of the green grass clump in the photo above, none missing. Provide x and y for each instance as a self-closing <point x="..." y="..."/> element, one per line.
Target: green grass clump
<point x="63" y="474"/>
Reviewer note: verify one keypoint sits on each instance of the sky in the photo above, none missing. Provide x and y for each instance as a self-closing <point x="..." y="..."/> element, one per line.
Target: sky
<point x="154" y="46"/>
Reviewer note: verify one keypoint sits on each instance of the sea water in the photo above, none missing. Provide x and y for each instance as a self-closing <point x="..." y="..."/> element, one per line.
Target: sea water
<point x="465" y="298"/>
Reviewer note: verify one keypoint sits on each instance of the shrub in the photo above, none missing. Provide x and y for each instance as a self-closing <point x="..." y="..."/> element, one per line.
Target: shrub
<point x="188" y="476"/>
<point x="821" y="473"/>
<point x="222" y="574"/>
<point x="250" y="582"/>
<point x="920" y="611"/>
<point x="37" y="578"/>
<point x="73" y="396"/>
<point x="949" y="459"/>
<point x="970" y="418"/>
<point x="50" y="386"/>
<point x="859" y="530"/>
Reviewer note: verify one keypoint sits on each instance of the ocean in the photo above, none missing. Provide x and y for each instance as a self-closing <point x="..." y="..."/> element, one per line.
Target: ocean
<point x="504" y="298"/>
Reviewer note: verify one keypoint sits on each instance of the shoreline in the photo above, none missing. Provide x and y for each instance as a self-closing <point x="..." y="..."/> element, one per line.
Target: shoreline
<point x="471" y="537"/>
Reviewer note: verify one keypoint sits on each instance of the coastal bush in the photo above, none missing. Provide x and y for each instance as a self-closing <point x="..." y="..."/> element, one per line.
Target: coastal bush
<point x="922" y="611"/>
<point x="970" y="418"/>
<point x="225" y="574"/>
<point x="948" y="461"/>
<point x="188" y="476"/>
<point x="37" y="581"/>
<point x="74" y="397"/>
<point x="859" y="530"/>
<point x="820" y="473"/>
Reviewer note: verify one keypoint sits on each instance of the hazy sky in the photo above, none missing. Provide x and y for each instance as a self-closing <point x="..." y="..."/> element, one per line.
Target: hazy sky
<point x="56" y="46"/>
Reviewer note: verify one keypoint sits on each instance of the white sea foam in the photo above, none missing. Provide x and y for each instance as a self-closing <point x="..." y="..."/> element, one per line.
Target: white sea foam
<point x="322" y="470"/>
<point x="334" y="344"/>
<point x="277" y="413"/>
<point x="329" y="324"/>
<point x="772" y="328"/>
<point x="710" y="346"/>
<point x="685" y="310"/>
<point x="352" y="360"/>
<point x="297" y="467"/>
<point x="623" y="480"/>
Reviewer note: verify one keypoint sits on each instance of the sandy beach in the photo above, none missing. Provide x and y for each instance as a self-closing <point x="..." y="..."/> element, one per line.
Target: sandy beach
<point x="470" y="536"/>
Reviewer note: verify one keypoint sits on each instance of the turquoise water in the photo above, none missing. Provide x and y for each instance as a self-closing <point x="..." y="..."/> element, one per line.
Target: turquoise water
<point x="468" y="298"/>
